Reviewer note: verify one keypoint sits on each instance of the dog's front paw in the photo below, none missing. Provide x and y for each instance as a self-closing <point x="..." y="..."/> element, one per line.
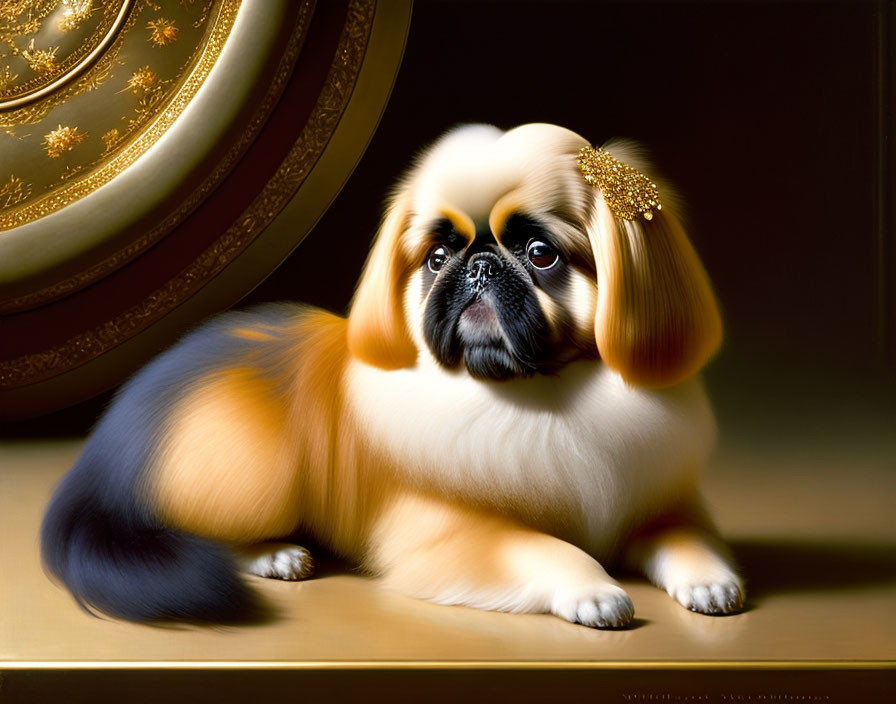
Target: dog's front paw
<point x="601" y="606"/>
<point x="694" y="567"/>
<point x="725" y="596"/>
<point x="278" y="561"/>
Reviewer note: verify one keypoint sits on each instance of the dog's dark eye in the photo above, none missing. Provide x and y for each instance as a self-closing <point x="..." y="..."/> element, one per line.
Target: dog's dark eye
<point x="438" y="255"/>
<point x="541" y="254"/>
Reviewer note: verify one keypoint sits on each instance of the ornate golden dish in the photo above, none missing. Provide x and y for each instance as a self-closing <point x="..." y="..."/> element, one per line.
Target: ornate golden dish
<point x="46" y="43"/>
<point x="76" y="134"/>
<point x="145" y="189"/>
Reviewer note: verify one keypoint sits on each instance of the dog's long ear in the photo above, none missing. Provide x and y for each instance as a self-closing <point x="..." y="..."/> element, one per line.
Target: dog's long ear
<point x="377" y="329"/>
<point x="657" y="321"/>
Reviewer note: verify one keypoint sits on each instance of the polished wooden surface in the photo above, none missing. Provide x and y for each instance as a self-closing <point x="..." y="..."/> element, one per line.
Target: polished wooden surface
<point x="813" y="530"/>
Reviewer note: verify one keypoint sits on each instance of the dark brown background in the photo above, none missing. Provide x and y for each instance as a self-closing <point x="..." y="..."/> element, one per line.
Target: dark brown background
<point x="771" y="117"/>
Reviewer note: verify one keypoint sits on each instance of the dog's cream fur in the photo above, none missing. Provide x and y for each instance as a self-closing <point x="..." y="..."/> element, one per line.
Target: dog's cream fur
<point x="500" y="495"/>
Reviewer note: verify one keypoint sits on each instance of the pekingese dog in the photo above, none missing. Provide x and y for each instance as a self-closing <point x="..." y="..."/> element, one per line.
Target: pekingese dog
<point x="510" y="405"/>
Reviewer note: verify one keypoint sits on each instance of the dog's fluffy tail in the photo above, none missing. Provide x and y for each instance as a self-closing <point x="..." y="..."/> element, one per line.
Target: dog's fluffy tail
<point x="102" y="536"/>
<point x="116" y="560"/>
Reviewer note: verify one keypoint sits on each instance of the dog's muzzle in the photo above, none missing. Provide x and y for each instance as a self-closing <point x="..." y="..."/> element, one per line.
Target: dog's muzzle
<point x="482" y="268"/>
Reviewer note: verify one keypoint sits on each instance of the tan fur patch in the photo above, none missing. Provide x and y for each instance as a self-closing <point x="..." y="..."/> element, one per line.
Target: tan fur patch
<point x="377" y="329"/>
<point x="250" y="456"/>
<point x="551" y="310"/>
<point x="657" y="321"/>
<point x="506" y="206"/>
<point x="688" y="547"/>
<point x="582" y="306"/>
<point x="225" y="470"/>
<point x="442" y="550"/>
<point x="251" y="334"/>
<point x="462" y="222"/>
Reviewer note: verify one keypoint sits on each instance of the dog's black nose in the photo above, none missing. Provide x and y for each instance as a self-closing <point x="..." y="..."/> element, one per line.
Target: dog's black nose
<point x="483" y="267"/>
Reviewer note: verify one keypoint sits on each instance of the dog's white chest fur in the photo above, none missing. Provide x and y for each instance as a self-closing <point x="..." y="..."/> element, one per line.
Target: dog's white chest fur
<point x="580" y="450"/>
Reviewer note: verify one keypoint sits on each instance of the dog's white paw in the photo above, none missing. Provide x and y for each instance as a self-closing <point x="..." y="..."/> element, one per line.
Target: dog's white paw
<point x="712" y="597"/>
<point x="278" y="561"/>
<point x="601" y="606"/>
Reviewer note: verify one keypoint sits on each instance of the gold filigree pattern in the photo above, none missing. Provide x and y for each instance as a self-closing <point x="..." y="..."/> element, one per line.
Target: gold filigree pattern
<point x="40" y="60"/>
<point x="44" y="40"/>
<point x="70" y="172"/>
<point x="62" y="139"/>
<point x="143" y="80"/>
<point x="99" y="74"/>
<point x="202" y="16"/>
<point x="110" y="139"/>
<point x="112" y="263"/>
<point x="7" y="78"/>
<point x="74" y="13"/>
<point x="151" y="98"/>
<point x="289" y="176"/>
<point x="14" y="191"/>
<point x="155" y="109"/>
<point x="20" y="18"/>
<point x="163" y="32"/>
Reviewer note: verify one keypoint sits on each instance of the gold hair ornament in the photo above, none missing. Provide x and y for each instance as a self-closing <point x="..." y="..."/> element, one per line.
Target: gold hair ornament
<point x="628" y="192"/>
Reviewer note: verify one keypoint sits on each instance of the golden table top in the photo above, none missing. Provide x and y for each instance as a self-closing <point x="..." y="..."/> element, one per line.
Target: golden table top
<point x="817" y="554"/>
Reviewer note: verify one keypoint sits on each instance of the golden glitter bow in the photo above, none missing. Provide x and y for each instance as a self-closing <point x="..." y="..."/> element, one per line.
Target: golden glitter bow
<point x="628" y="192"/>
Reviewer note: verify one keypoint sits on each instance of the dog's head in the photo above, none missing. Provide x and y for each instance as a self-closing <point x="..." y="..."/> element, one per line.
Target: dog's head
<point x="498" y="255"/>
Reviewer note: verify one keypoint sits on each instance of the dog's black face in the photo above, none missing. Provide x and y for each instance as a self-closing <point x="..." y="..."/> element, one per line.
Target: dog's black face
<point x="481" y="302"/>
